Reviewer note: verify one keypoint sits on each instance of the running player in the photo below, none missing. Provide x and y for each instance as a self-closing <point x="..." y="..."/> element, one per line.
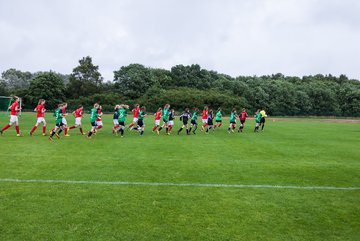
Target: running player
<point x="165" y="116"/>
<point x="140" y="122"/>
<point x="116" y="118"/>
<point x="171" y="120"/>
<point x="99" y="123"/>
<point x="185" y="116"/>
<point x="93" y="116"/>
<point x="204" y="117"/>
<point x="262" y="121"/>
<point x="135" y="112"/>
<point x="65" y="127"/>
<point x="258" y="117"/>
<point x="78" y="114"/>
<point x="242" y="117"/>
<point x="210" y="123"/>
<point x="193" y="122"/>
<point x="122" y="118"/>
<point x="40" y="109"/>
<point x="14" y="110"/>
<point x="218" y="118"/>
<point x="233" y="117"/>
<point x="157" y="119"/>
<point x="59" y="124"/>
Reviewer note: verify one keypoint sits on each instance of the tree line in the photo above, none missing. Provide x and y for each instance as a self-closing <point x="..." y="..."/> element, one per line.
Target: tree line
<point x="186" y="86"/>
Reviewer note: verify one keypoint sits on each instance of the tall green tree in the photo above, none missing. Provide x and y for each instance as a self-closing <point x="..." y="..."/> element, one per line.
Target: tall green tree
<point x="16" y="79"/>
<point x="49" y="86"/>
<point x="85" y="79"/>
<point x="133" y="80"/>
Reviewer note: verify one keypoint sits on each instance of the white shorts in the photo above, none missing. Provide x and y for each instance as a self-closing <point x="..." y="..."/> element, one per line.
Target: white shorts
<point x="116" y="121"/>
<point x="135" y="119"/>
<point x="64" y="121"/>
<point x="204" y="121"/>
<point x="13" y="119"/>
<point x="40" y="119"/>
<point x="157" y="122"/>
<point x="171" y="123"/>
<point x="78" y="121"/>
<point x="99" y="123"/>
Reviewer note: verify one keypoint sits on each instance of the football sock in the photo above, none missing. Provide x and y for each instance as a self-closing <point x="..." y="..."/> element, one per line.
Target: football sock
<point x="99" y="127"/>
<point x="72" y="127"/>
<point x="33" y="129"/>
<point x="17" y="129"/>
<point x="262" y="128"/>
<point x="65" y="132"/>
<point x="44" y="129"/>
<point x="131" y="125"/>
<point x="180" y="130"/>
<point x="160" y="128"/>
<point x="81" y="131"/>
<point x="5" y="127"/>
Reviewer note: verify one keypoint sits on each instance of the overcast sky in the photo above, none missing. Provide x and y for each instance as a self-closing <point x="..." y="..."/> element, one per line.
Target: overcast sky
<point x="236" y="37"/>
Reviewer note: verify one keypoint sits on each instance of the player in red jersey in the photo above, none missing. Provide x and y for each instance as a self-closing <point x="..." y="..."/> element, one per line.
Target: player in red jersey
<point x="242" y="117"/>
<point x="205" y="118"/>
<point x="40" y="109"/>
<point x="135" y="112"/>
<point x="157" y="119"/>
<point x="99" y="123"/>
<point x="14" y="108"/>
<point x="78" y="114"/>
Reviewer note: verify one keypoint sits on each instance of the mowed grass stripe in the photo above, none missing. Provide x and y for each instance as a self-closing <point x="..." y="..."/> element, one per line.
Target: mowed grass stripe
<point x="180" y="184"/>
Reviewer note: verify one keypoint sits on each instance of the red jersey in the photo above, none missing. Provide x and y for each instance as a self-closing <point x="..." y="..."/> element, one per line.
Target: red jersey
<point x="63" y="110"/>
<point x="78" y="113"/>
<point x="40" y="110"/>
<point x="136" y="112"/>
<point x="205" y="114"/>
<point x="158" y="115"/>
<point x="243" y="115"/>
<point x="99" y="112"/>
<point x="13" y="108"/>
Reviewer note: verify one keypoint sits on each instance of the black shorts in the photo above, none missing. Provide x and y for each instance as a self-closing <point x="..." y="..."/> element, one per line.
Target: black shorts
<point x="262" y="120"/>
<point x="233" y="122"/>
<point x="210" y="122"/>
<point x="93" y="124"/>
<point x="59" y="124"/>
<point x="242" y="121"/>
<point x="140" y="123"/>
<point x="193" y="122"/>
<point x="185" y="121"/>
<point x="165" y="121"/>
<point x="121" y="123"/>
<point x="219" y="121"/>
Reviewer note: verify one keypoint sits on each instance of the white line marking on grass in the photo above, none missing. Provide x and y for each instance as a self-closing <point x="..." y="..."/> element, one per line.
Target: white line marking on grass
<point x="180" y="184"/>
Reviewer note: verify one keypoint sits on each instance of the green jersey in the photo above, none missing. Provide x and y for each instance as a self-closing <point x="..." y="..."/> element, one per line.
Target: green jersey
<point x="58" y="115"/>
<point x="258" y="117"/>
<point x="194" y="116"/>
<point x="218" y="116"/>
<point x="141" y="115"/>
<point x="165" y="113"/>
<point x="93" y="115"/>
<point x="233" y="117"/>
<point x="122" y="114"/>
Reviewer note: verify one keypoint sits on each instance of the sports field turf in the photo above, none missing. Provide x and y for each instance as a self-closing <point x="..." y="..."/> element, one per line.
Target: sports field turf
<point x="294" y="160"/>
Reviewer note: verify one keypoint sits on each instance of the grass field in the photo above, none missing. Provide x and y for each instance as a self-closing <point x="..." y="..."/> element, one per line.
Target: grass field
<point x="307" y="156"/>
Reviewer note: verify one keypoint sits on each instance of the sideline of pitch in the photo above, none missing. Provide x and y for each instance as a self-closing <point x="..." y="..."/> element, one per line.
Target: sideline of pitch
<point x="180" y="184"/>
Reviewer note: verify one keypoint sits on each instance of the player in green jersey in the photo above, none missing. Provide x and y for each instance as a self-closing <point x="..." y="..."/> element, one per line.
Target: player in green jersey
<point x="165" y="116"/>
<point x="233" y="117"/>
<point x="258" y="117"/>
<point x="140" y="121"/>
<point x="193" y="122"/>
<point x="122" y="117"/>
<point x="58" y="114"/>
<point x="218" y="118"/>
<point x="93" y="116"/>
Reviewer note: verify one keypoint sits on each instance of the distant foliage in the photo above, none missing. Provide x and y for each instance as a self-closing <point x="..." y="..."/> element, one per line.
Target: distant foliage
<point x="188" y="86"/>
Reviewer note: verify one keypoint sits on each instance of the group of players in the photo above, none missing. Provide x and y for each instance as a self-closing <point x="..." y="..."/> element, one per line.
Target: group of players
<point x="210" y="119"/>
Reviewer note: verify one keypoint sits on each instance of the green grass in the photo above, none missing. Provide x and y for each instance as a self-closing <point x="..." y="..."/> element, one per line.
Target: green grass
<point x="286" y="153"/>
